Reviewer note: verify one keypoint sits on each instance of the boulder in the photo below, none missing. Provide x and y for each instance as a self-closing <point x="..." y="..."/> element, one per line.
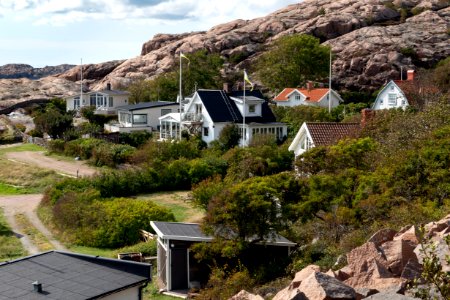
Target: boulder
<point x="410" y="234"/>
<point x="362" y="293"/>
<point x="441" y="226"/>
<point x="359" y="257"/>
<point x="319" y="286"/>
<point x="244" y="295"/>
<point x="412" y="270"/>
<point x="376" y="276"/>
<point x="389" y="296"/>
<point x="382" y="236"/>
<point x="441" y="251"/>
<point x="398" y="253"/>
<point x="291" y="291"/>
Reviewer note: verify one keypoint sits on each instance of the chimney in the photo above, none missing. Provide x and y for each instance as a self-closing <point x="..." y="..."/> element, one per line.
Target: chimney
<point x="37" y="287"/>
<point x="108" y="86"/>
<point x="309" y="85"/>
<point x="366" y="115"/>
<point x="410" y="75"/>
<point x="227" y="87"/>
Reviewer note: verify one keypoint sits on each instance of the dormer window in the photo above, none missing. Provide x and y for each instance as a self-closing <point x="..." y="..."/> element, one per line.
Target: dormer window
<point x="252" y="108"/>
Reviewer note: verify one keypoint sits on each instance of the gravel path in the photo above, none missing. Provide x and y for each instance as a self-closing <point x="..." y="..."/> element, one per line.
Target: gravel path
<point x="71" y="168"/>
<point x="26" y="204"/>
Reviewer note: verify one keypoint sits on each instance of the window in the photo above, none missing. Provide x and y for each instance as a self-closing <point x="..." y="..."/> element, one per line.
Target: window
<point x="111" y="103"/>
<point x="76" y="102"/>
<point x="298" y="97"/>
<point x="252" y="108"/>
<point x="139" y="119"/>
<point x="403" y="102"/>
<point x="392" y="87"/>
<point x="392" y="99"/>
<point x="205" y="131"/>
<point x="165" y="111"/>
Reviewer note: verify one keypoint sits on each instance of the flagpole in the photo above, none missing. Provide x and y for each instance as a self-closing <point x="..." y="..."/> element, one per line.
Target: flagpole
<point x="243" y="118"/>
<point x="329" y="87"/>
<point x="179" y="99"/>
<point x="81" y="84"/>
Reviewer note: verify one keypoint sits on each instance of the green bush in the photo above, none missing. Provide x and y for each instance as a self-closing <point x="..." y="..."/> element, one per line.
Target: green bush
<point x="56" y="146"/>
<point x="108" y="154"/>
<point x="82" y="147"/>
<point x="135" y="138"/>
<point x="146" y="248"/>
<point x="116" y="223"/>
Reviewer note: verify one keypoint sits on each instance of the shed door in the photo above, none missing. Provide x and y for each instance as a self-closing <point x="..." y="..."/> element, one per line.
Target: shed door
<point x="178" y="269"/>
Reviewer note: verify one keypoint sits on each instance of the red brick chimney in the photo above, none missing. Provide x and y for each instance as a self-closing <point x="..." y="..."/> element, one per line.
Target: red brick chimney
<point x="366" y="115"/>
<point x="309" y="85"/>
<point x="410" y="75"/>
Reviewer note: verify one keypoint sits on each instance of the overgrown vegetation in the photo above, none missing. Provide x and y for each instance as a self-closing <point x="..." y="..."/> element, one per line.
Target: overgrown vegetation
<point x="10" y="246"/>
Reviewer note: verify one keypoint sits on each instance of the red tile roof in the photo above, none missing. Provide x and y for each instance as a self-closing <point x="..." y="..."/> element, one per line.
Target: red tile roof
<point x="313" y="95"/>
<point x="328" y="133"/>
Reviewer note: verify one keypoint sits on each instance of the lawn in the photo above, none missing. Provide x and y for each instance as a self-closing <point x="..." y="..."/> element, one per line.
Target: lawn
<point x="19" y="178"/>
<point x="179" y="203"/>
<point x="10" y="246"/>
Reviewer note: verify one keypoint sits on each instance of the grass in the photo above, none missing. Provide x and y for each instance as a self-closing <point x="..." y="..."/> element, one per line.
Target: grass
<point x="178" y="202"/>
<point x="36" y="237"/>
<point x="18" y="178"/>
<point x="10" y="246"/>
<point x="21" y="148"/>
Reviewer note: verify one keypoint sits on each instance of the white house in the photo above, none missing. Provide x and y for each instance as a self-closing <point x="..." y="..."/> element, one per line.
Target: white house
<point x="309" y="96"/>
<point x="209" y="111"/>
<point x="392" y="95"/>
<point x="105" y="101"/>
<point x="313" y="134"/>
<point x="65" y="275"/>
<point x="141" y="116"/>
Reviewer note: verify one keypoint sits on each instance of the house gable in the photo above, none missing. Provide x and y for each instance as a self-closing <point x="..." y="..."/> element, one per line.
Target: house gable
<point x="390" y="96"/>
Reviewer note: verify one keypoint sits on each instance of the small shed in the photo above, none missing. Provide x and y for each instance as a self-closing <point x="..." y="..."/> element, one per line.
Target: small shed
<point x="177" y="268"/>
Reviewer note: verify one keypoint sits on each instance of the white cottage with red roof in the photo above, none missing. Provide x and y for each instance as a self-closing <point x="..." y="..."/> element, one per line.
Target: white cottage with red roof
<point x="313" y="134"/>
<point x="392" y="94"/>
<point x="308" y="96"/>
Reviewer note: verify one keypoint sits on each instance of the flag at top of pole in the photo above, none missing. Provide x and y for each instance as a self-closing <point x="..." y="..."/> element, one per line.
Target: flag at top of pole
<point x="185" y="57"/>
<point x="248" y="80"/>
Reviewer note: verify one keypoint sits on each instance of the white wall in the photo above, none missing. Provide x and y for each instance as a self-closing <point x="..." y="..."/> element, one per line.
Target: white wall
<point x="128" y="294"/>
<point x="292" y="101"/>
<point x="324" y="101"/>
<point x="382" y="101"/>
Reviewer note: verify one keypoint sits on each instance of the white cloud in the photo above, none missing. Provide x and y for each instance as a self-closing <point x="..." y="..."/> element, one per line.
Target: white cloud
<point x="57" y="12"/>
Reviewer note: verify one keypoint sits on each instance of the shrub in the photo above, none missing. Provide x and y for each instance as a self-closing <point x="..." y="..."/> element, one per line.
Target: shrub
<point x="229" y="136"/>
<point x="204" y="191"/>
<point x="146" y="248"/>
<point x="56" y="146"/>
<point x="108" y="154"/>
<point x="116" y="223"/>
<point x="82" y="147"/>
<point x="135" y="138"/>
<point x="36" y="133"/>
<point x="20" y="127"/>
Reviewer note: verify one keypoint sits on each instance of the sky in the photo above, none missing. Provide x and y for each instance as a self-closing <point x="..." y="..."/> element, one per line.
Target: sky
<point x="52" y="32"/>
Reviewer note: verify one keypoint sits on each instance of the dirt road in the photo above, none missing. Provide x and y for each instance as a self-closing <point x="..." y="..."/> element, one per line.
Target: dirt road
<point x="73" y="168"/>
<point x="26" y="204"/>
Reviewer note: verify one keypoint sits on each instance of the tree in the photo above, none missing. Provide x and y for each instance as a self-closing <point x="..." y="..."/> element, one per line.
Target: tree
<point x="53" y="122"/>
<point x="250" y="211"/>
<point x="292" y="60"/>
<point x="229" y="137"/>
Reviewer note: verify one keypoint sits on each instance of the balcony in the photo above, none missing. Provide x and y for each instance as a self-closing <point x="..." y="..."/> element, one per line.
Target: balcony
<point x="192" y="117"/>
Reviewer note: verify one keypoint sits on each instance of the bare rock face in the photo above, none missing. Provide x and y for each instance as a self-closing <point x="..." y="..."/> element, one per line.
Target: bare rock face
<point x="292" y="291"/>
<point x="369" y="40"/>
<point x="382" y="236"/>
<point x="366" y="54"/>
<point x="15" y="71"/>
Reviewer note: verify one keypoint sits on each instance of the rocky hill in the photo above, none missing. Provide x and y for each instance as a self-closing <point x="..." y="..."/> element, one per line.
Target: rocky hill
<point x="15" y="71"/>
<point x="371" y="41"/>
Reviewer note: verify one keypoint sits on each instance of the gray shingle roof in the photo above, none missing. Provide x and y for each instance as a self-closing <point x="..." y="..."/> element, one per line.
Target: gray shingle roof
<point x="192" y="232"/>
<point x="143" y="105"/>
<point x="65" y="275"/>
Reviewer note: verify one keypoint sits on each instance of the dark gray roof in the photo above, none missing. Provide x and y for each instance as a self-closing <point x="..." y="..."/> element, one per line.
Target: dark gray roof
<point x="112" y="92"/>
<point x="65" y="275"/>
<point x="143" y="105"/>
<point x="192" y="232"/>
<point x="221" y="108"/>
